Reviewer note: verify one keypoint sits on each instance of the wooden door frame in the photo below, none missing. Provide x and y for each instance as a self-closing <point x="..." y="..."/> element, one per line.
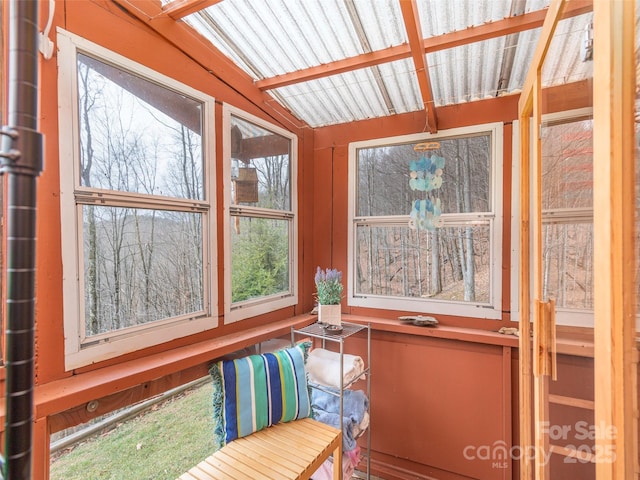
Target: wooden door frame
<point x="614" y="258"/>
<point x="529" y="112"/>
<point x="614" y="203"/>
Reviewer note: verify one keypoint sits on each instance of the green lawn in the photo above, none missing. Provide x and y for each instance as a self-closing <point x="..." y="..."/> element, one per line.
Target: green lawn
<point x="159" y="444"/>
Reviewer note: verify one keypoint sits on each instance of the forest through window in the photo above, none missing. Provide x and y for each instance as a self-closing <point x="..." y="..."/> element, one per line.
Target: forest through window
<point x="261" y="216"/>
<point x="140" y="264"/>
<point x="567" y="213"/>
<point x="424" y="220"/>
<point x="136" y="196"/>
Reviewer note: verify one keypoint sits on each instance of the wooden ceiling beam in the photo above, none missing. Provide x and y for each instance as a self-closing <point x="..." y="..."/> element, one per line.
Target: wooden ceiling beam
<point x="414" y="33"/>
<point x="178" y="9"/>
<point x="498" y="28"/>
<point x="333" y="68"/>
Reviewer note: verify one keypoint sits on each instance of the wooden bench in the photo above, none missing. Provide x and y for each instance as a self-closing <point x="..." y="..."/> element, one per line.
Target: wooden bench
<point x="293" y="450"/>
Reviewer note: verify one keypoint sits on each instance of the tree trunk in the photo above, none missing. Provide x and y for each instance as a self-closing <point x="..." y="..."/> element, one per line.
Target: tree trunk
<point x="436" y="279"/>
<point x="469" y="269"/>
<point x="91" y="293"/>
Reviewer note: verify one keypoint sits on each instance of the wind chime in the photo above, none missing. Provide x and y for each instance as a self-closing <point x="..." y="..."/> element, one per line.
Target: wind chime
<point x="426" y="176"/>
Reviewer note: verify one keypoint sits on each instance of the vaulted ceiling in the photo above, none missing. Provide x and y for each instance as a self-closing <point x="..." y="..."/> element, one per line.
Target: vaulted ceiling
<point x="328" y="62"/>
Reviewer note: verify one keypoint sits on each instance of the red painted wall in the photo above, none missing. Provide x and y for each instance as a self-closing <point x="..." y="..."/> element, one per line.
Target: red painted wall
<point x="331" y="184"/>
<point x="97" y="21"/>
<point x="431" y="396"/>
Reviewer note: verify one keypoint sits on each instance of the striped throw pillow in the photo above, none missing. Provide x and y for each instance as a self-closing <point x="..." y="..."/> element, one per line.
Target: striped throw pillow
<point x="258" y="391"/>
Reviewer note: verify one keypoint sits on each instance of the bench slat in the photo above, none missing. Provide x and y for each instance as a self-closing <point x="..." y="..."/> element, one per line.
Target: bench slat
<point x="271" y="458"/>
<point x="231" y="468"/>
<point x="287" y="451"/>
<point x="254" y="461"/>
<point x="285" y="442"/>
<point x="272" y="453"/>
<point x="232" y="463"/>
<point x="203" y="471"/>
<point x="306" y="435"/>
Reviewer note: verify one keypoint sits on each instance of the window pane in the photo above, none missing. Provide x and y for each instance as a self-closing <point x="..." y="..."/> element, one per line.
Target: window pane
<point x="567" y="185"/>
<point x="567" y="165"/>
<point x="140" y="266"/>
<point x="259" y="258"/>
<point x="260" y="166"/>
<point x="568" y="264"/>
<point x="452" y="263"/>
<point x="136" y="136"/>
<point x="457" y="174"/>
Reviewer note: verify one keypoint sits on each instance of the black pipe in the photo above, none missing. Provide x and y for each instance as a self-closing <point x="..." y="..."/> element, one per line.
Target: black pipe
<point x="21" y="161"/>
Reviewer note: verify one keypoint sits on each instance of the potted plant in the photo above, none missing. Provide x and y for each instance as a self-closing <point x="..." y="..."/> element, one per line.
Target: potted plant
<point x="329" y="295"/>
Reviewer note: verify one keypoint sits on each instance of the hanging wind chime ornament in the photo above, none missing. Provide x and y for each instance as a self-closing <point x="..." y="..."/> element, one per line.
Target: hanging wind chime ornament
<point x="426" y="176"/>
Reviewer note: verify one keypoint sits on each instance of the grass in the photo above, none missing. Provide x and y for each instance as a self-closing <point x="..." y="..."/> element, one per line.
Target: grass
<point x="161" y="443"/>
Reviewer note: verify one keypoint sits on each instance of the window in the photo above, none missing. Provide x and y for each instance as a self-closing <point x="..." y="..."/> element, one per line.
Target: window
<point x="138" y="229"/>
<point x="567" y="216"/>
<point x="260" y="234"/>
<point x="425" y="222"/>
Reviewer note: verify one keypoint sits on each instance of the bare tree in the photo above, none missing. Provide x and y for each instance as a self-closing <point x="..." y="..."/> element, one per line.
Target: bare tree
<point x="129" y="274"/>
<point x="86" y="101"/>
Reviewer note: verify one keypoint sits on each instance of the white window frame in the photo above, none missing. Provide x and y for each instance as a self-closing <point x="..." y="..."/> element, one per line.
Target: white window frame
<point x="493" y="310"/>
<point x="570" y="317"/>
<point x="80" y="351"/>
<point x="234" y="312"/>
<point x="514" y="283"/>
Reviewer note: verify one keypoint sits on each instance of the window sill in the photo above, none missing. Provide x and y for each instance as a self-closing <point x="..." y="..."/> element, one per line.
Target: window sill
<point x="570" y="340"/>
<point x="175" y="365"/>
<point x="441" y="331"/>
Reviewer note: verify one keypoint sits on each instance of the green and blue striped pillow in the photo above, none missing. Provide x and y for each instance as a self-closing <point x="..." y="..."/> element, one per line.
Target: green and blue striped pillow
<point x="257" y="391"/>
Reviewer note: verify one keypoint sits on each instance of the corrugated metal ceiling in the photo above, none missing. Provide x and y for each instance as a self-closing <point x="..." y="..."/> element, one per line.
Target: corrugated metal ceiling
<point x="273" y="38"/>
